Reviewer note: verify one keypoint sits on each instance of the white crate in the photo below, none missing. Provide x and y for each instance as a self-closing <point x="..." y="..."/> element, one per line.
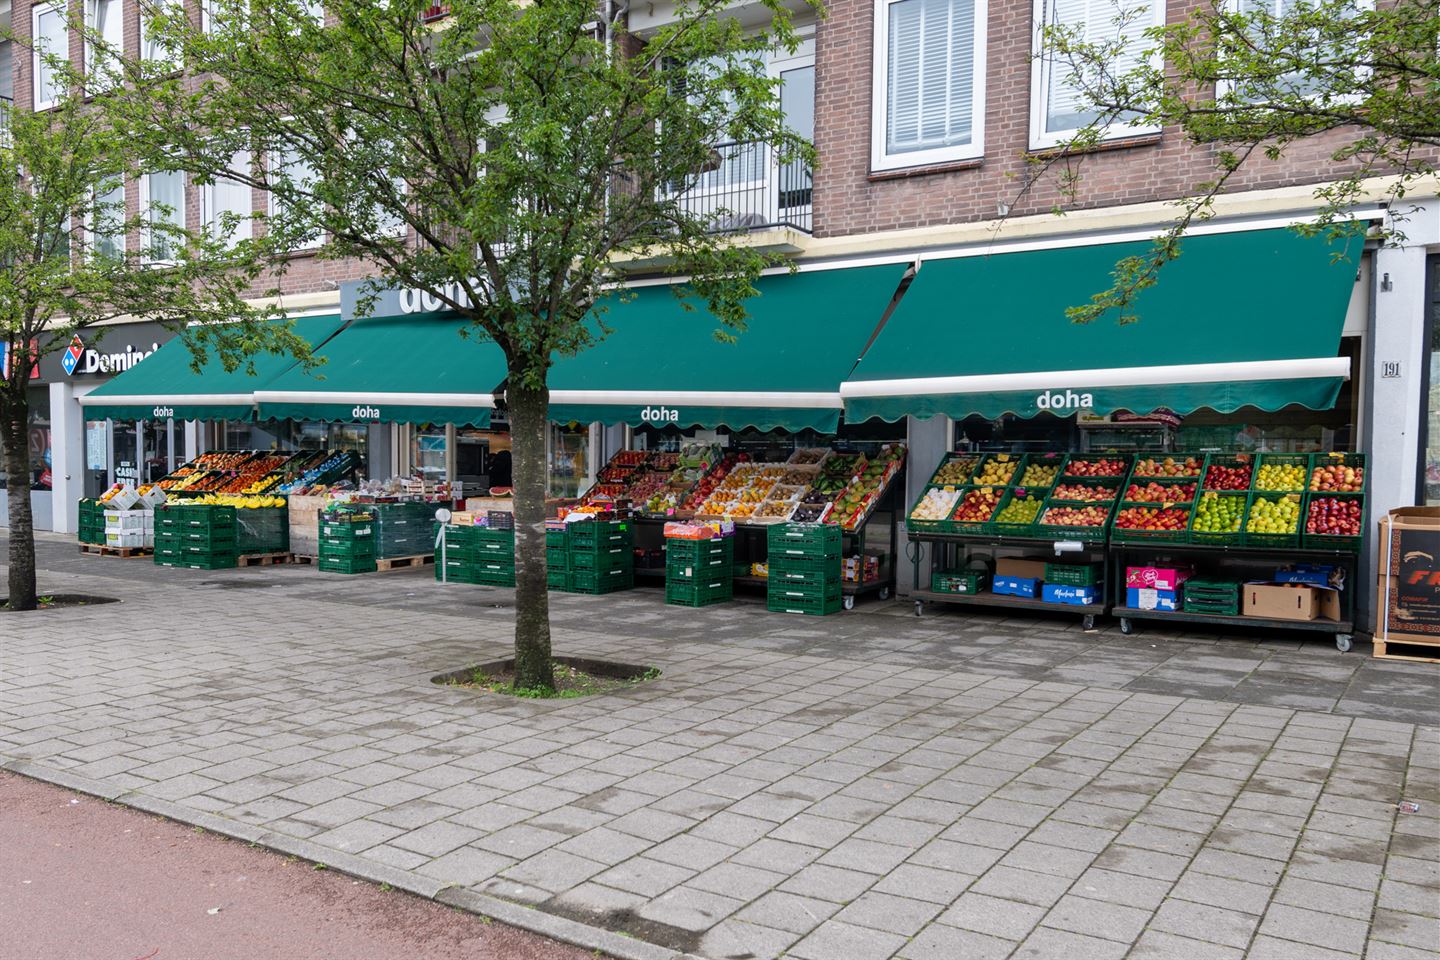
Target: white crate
<point x="126" y="538"/>
<point x="124" y="499"/>
<point x="118" y="520"/>
<point x="153" y="497"/>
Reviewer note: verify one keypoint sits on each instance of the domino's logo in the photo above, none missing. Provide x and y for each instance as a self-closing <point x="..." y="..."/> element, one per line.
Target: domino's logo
<point x="71" y="357"/>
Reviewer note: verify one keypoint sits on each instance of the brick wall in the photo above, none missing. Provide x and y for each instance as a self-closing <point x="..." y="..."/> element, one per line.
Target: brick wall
<point x="850" y="200"/>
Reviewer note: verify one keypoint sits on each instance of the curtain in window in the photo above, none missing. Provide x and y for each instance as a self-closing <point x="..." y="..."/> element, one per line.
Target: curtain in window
<point x="931" y="82"/>
<point x="53" y="38"/>
<point x="107" y="222"/>
<point x="231" y="196"/>
<point x="150" y="48"/>
<point x="165" y="199"/>
<point x="1102" y="22"/>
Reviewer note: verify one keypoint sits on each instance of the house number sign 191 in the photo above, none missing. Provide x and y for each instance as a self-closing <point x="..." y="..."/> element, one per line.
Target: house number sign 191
<point x="1390" y="369"/>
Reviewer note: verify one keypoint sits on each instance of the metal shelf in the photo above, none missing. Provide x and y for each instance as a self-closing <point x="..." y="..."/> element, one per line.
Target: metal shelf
<point x="1088" y="613"/>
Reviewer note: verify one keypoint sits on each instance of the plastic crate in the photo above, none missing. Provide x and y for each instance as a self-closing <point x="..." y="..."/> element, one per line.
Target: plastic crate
<point x="1014" y="528"/>
<point x="492" y="548"/>
<point x="804" y="540"/>
<point x="208" y="539"/>
<point x="699" y="569"/>
<point x="348" y="531"/>
<point x="1139" y="470"/>
<point x="557" y="559"/>
<point x="1107" y="490"/>
<point x="693" y="551"/>
<point x="492" y="534"/>
<point x="942" y="525"/>
<point x="349" y="549"/>
<point x="1301" y="460"/>
<point x="1073" y="574"/>
<point x="613" y="558"/>
<point x="1273" y="539"/>
<point x="1338" y="459"/>
<point x="783" y="590"/>
<point x="1222" y="538"/>
<point x="701" y="593"/>
<point x="958" y="581"/>
<point x="1228" y="460"/>
<point x="804" y="578"/>
<point x="348" y="565"/>
<point x="976" y="528"/>
<point x="1174" y="490"/>
<point x="826" y="565"/>
<point x="1214" y="591"/>
<point x="197" y="562"/>
<point x="557" y="579"/>
<point x="1137" y="535"/>
<point x="597" y="534"/>
<point x="601" y="581"/>
<point x="1330" y="541"/>
<point x="813" y="608"/>
<point x="1047" y="460"/>
<point x="973" y="459"/>
<point x="1211" y="608"/>
<point x="556" y="538"/>
<point x="1007" y="470"/>
<point x="1094" y="534"/>
<point x="1066" y="474"/>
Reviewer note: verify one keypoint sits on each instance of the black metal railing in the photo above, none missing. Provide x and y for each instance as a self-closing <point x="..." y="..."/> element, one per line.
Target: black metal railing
<point x="747" y="187"/>
<point x="435" y="11"/>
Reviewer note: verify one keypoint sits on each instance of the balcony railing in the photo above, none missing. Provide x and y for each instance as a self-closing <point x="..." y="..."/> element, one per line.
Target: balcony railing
<point x="747" y="187"/>
<point x="435" y="12"/>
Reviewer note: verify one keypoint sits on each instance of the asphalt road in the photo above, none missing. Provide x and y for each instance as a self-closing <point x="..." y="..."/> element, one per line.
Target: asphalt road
<point x="81" y="879"/>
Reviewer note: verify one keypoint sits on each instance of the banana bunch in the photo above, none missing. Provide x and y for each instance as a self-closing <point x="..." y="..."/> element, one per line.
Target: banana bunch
<point x="239" y="501"/>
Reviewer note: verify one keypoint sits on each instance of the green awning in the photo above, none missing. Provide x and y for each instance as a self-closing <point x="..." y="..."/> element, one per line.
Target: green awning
<point x="662" y="365"/>
<point x="1240" y="319"/>
<point x="164" y="385"/>
<point x="409" y="369"/>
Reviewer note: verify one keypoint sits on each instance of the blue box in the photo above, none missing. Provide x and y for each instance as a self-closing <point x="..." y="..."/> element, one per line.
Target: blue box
<point x="1016" y="586"/>
<point x="1314" y="574"/>
<point x="1164" y="599"/>
<point x="1073" y="596"/>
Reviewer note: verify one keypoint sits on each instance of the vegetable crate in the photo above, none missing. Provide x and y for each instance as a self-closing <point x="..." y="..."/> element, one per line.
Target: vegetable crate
<point x="699" y="593"/>
<point x="1259" y="538"/>
<point x="601" y="581"/>
<point x="1073" y="574"/>
<point x="804" y="602"/>
<point x="958" y="581"/>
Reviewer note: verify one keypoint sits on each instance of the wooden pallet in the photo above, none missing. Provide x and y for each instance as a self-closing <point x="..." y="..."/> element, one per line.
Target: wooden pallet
<point x="104" y="550"/>
<point x="302" y="559"/>
<point x="1417" y="651"/>
<point x="383" y="564"/>
<point x="262" y="559"/>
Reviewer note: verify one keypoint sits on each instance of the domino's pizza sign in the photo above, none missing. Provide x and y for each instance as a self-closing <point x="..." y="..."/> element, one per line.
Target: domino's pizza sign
<point x="70" y="359"/>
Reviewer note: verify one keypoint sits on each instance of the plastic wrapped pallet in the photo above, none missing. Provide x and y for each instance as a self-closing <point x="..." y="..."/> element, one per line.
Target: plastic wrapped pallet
<point x="305" y="525"/>
<point x="262" y="530"/>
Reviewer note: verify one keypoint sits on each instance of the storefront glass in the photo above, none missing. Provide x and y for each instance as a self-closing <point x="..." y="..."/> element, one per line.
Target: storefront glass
<point x="1429" y="493"/>
<point x="154" y="450"/>
<point x="427" y="452"/>
<point x="287" y="436"/>
<point x="569" y="459"/>
<point x="40" y="451"/>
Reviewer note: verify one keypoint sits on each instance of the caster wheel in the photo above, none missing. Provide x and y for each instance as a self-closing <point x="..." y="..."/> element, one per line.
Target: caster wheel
<point x="848" y="603"/>
<point x="918" y="605"/>
<point x="1126" y="626"/>
<point x="884" y="593"/>
<point x="1343" y="642"/>
<point x="1089" y="621"/>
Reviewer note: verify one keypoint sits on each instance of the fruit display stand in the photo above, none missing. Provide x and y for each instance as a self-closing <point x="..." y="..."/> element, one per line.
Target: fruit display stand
<point x="1061" y="504"/>
<point x="1268" y="512"/>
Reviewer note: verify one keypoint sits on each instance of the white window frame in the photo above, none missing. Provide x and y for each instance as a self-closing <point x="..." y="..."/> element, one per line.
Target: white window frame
<point x="244" y="230"/>
<point x="36" y="12"/>
<point x="92" y="9"/>
<point x="880" y="159"/>
<point x="1224" y="89"/>
<point x="177" y="217"/>
<point x="272" y="205"/>
<point x="1041" y="77"/>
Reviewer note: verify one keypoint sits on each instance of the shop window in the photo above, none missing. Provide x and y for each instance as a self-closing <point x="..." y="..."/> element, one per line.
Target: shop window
<point x="569" y="449"/>
<point x="929" y="96"/>
<point x="428" y="452"/>
<point x="52" y="40"/>
<point x="1059" y="108"/>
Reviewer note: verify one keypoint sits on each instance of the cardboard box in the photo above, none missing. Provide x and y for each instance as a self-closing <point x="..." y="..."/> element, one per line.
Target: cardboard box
<point x="1072" y="596"/>
<point x="1020" y="567"/>
<point x="1290" y="601"/>
<point x="1016" y="586"/>
<point x="1148" y="598"/>
<point x="1407" y="599"/>
<point x="1157" y="578"/>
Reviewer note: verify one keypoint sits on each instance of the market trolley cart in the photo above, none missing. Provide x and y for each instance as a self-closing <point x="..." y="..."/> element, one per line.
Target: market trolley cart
<point x="979" y="505"/>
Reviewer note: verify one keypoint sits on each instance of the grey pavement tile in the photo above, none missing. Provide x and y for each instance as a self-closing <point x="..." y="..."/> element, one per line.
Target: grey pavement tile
<point x="436" y="839"/>
<point x="1326" y="897"/>
<point x="960" y="857"/>
<point x="690" y="851"/>
<point x="1024" y="886"/>
<point x="1314" y="927"/>
<point x="813" y="831"/>
<point x="1158" y="945"/>
<point x="1223" y="892"/>
<point x="518" y="840"/>
<point x="736" y="938"/>
<point x="1199" y="922"/>
<point x="1409" y="898"/>
<point x="357" y="835"/>
<point x="335" y="812"/>
<point x="1394" y="951"/>
<point x="1406" y="929"/>
<point x="1143" y="863"/>
<point x="1108" y="921"/>
<point x="941" y="942"/>
<point x="835" y="939"/>
<point x="551" y="870"/>
<point x="1045" y="858"/>
<point x="736" y="881"/>
<point x="1122" y="888"/>
<point x="924" y="883"/>
<point x="893" y="914"/>
<point x="1270" y="948"/>
<point x="998" y="918"/>
<point x="788" y="911"/>
<point x="466" y="866"/>
<point x="1047" y="943"/>
<point x="867" y="856"/>
<point x="828" y="883"/>
<point x="648" y="878"/>
<point x="689" y="909"/>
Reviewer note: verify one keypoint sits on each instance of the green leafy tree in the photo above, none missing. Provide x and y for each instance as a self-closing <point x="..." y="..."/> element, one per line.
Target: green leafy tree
<point x="504" y="160"/>
<point x="1354" y="86"/>
<point x="67" y="269"/>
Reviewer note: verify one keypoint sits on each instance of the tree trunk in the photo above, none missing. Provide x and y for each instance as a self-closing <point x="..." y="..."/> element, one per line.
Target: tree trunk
<point x="529" y="410"/>
<point x="14" y="437"/>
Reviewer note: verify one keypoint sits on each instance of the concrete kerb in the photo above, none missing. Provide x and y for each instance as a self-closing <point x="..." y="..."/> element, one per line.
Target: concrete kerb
<point x="564" y="930"/>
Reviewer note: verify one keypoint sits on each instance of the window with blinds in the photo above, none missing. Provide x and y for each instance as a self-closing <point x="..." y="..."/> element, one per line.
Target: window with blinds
<point x="930" y="82"/>
<point x="1061" y="106"/>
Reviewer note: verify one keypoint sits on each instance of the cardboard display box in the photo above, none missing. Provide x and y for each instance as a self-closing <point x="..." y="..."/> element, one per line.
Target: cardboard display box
<point x="1020" y="567"/>
<point x="1290" y="601"/>
<point x="1012" y="586"/>
<point x="1407" y="603"/>
<point x="1156" y="578"/>
<point x="1148" y="598"/>
<point x="1071" y="596"/>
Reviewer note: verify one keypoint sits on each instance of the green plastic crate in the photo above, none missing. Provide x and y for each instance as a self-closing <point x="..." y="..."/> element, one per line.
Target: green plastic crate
<point x="830" y="566"/>
<point x="556" y="538"/>
<point x="348" y="531"/>
<point x="958" y="581"/>
<point x="1282" y="540"/>
<point x="346" y="549"/>
<point x="804" y="578"/>
<point x="693" y="569"/>
<point x="601" y="581"/>
<point x="1339" y="459"/>
<point x="557" y="579"/>
<point x="1227" y="460"/>
<point x="1225" y="537"/>
<point x="1073" y="574"/>
<point x="1134" y="535"/>
<point x="693" y="551"/>
<point x="1301" y="460"/>
<point x="804" y="540"/>
<point x="787" y="590"/>
<point x="347" y="565"/>
<point x="700" y="593"/>
<point x="557" y="559"/>
<point x="813" y="608"/>
<point x="611" y="558"/>
<point x="1328" y="541"/>
<point x="595" y="535"/>
<point x="1211" y="607"/>
<point x="197" y="563"/>
<point x="973" y="459"/>
<point x="1015" y="528"/>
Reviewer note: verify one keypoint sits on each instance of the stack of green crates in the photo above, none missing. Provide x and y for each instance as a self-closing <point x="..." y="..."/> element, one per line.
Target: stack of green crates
<point x="347" y="543"/>
<point x="599" y="556"/>
<point x="699" y="572"/>
<point x="262" y="530"/>
<point x="804" y="563"/>
<point x="404" y="529"/>
<point x="92" y="521"/>
<point x="1221" y="597"/>
<point x="481" y="555"/>
<point x="198" y="536"/>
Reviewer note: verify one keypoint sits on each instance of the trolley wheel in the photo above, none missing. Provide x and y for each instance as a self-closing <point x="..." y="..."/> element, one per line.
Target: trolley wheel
<point x="849" y="602"/>
<point x="918" y="605"/>
<point x="1127" y="626"/>
<point x="1343" y="642"/>
<point x="1089" y="621"/>
<point x="884" y="593"/>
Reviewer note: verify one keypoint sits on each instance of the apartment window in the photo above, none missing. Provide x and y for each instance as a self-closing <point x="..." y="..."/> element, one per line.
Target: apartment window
<point x="7" y="73"/>
<point x="286" y="165"/>
<point x="1295" y="83"/>
<point x="227" y="198"/>
<point x="162" y="197"/>
<point x="1060" y="107"/>
<point x="103" y="24"/>
<point x="929" y="98"/>
<point x="52" y="37"/>
<point x="150" y="46"/>
<point x="106" y="222"/>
